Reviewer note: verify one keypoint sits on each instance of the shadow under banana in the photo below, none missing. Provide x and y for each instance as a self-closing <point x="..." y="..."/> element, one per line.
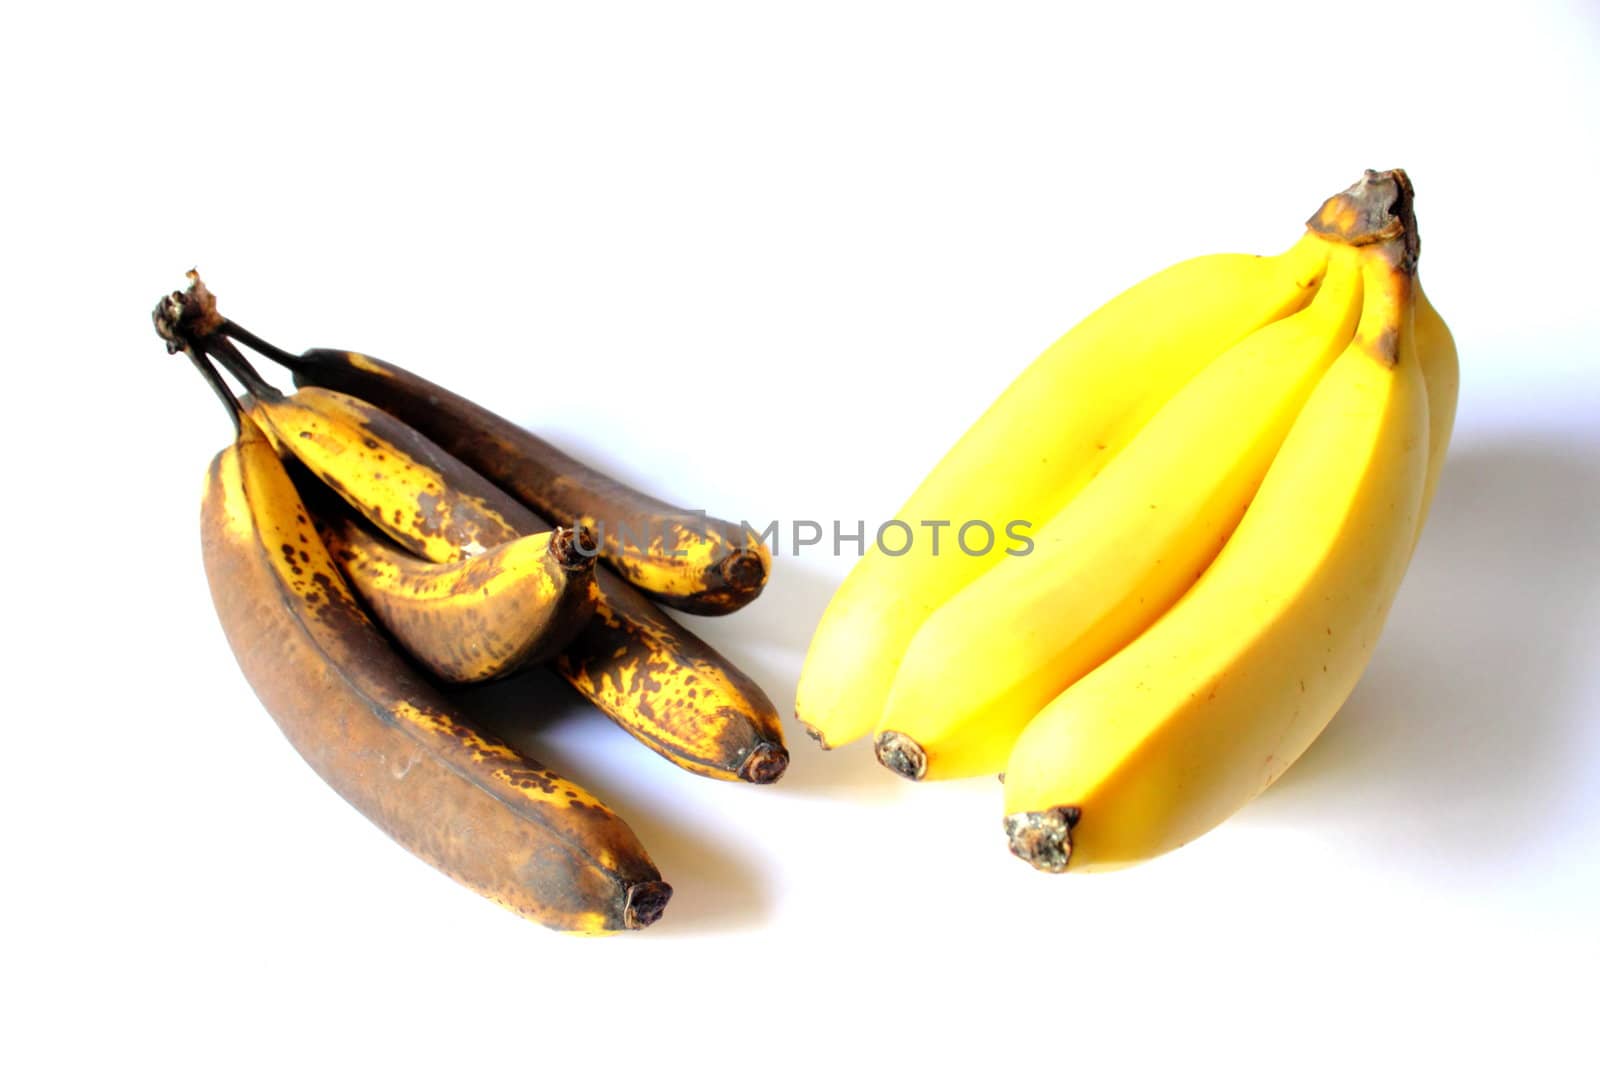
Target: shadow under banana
<point x="1462" y="742"/>
<point x="769" y="640"/>
<point x="716" y="886"/>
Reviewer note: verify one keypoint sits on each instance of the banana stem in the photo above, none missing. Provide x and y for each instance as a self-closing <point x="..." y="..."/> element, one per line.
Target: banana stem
<point x="1378" y="209"/>
<point x="229" y="328"/>
<point x="233" y="361"/>
<point x="220" y="387"/>
<point x="189" y="321"/>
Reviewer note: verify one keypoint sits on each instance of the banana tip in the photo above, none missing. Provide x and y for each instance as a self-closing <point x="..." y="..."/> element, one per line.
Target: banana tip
<point x="901" y="755"/>
<point x="743" y="571"/>
<point x="574" y="549"/>
<point x="1042" y="838"/>
<point x="765" y="764"/>
<point x="646" y="901"/>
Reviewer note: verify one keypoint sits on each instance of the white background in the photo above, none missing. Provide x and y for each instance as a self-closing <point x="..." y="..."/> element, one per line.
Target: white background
<point x="772" y="263"/>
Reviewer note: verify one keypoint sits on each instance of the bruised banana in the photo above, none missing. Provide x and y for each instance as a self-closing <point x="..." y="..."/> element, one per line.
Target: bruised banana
<point x="482" y="617"/>
<point x="1053" y="430"/>
<point x="384" y="739"/>
<point x="657" y="680"/>
<point x="1211" y="704"/>
<point x="1118" y="555"/>
<point x="686" y="560"/>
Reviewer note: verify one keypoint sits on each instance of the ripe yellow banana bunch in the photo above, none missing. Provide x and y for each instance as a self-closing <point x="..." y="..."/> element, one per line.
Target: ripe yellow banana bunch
<point x="1223" y="472"/>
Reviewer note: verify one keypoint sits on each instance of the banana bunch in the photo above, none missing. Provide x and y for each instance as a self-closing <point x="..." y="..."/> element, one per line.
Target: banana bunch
<point x="357" y="562"/>
<point x="1223" y="471"/>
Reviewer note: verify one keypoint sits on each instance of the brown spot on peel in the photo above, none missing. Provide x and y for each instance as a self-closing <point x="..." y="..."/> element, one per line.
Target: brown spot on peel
<point x="1386" y="346"/>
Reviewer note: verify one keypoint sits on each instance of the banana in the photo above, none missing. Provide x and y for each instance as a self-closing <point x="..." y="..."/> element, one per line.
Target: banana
<point x="1380" y="208"/>
<point x="657" y="680"/>
<point x="480" y="618"/>
<point x="1056" y="427"/>
<point x="1117" y="555"/>
<point x="1207" y="707"/>
<point x="400" y="488"/>
<point x="384" y="739"/>
<point x="685" y="559"/>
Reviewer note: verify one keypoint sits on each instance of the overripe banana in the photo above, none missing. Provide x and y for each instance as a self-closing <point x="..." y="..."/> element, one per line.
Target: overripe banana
<point x="654" y="678"/>
<point x="1207" y="707"/>
<point x="384" y="739"/>
<point x="400" y="489"/>
<point x="480" y="618"/>
<point x="1053" y="430"/>
<point x="1121" y="552"/>
<point x="687" y="560"/>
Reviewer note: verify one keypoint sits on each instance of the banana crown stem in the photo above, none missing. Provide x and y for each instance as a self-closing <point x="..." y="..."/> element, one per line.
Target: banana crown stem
<point x="189" y="322"/>
<point x="1379" y="208"/>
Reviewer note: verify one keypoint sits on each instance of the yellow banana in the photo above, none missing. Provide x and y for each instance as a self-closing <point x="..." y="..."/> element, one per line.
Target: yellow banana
<point x="1207" y="707"/>
<point x="1379" y="208"/>
<point x="480" y="618"/>
<point x="1047" y="435"/>
<point x="1118" y="555"/>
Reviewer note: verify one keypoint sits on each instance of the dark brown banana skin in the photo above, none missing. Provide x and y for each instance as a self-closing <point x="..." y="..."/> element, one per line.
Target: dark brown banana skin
<point x="655" y="679"/>
<point x="558" y="487"/>
<point x="392" y="746"/>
